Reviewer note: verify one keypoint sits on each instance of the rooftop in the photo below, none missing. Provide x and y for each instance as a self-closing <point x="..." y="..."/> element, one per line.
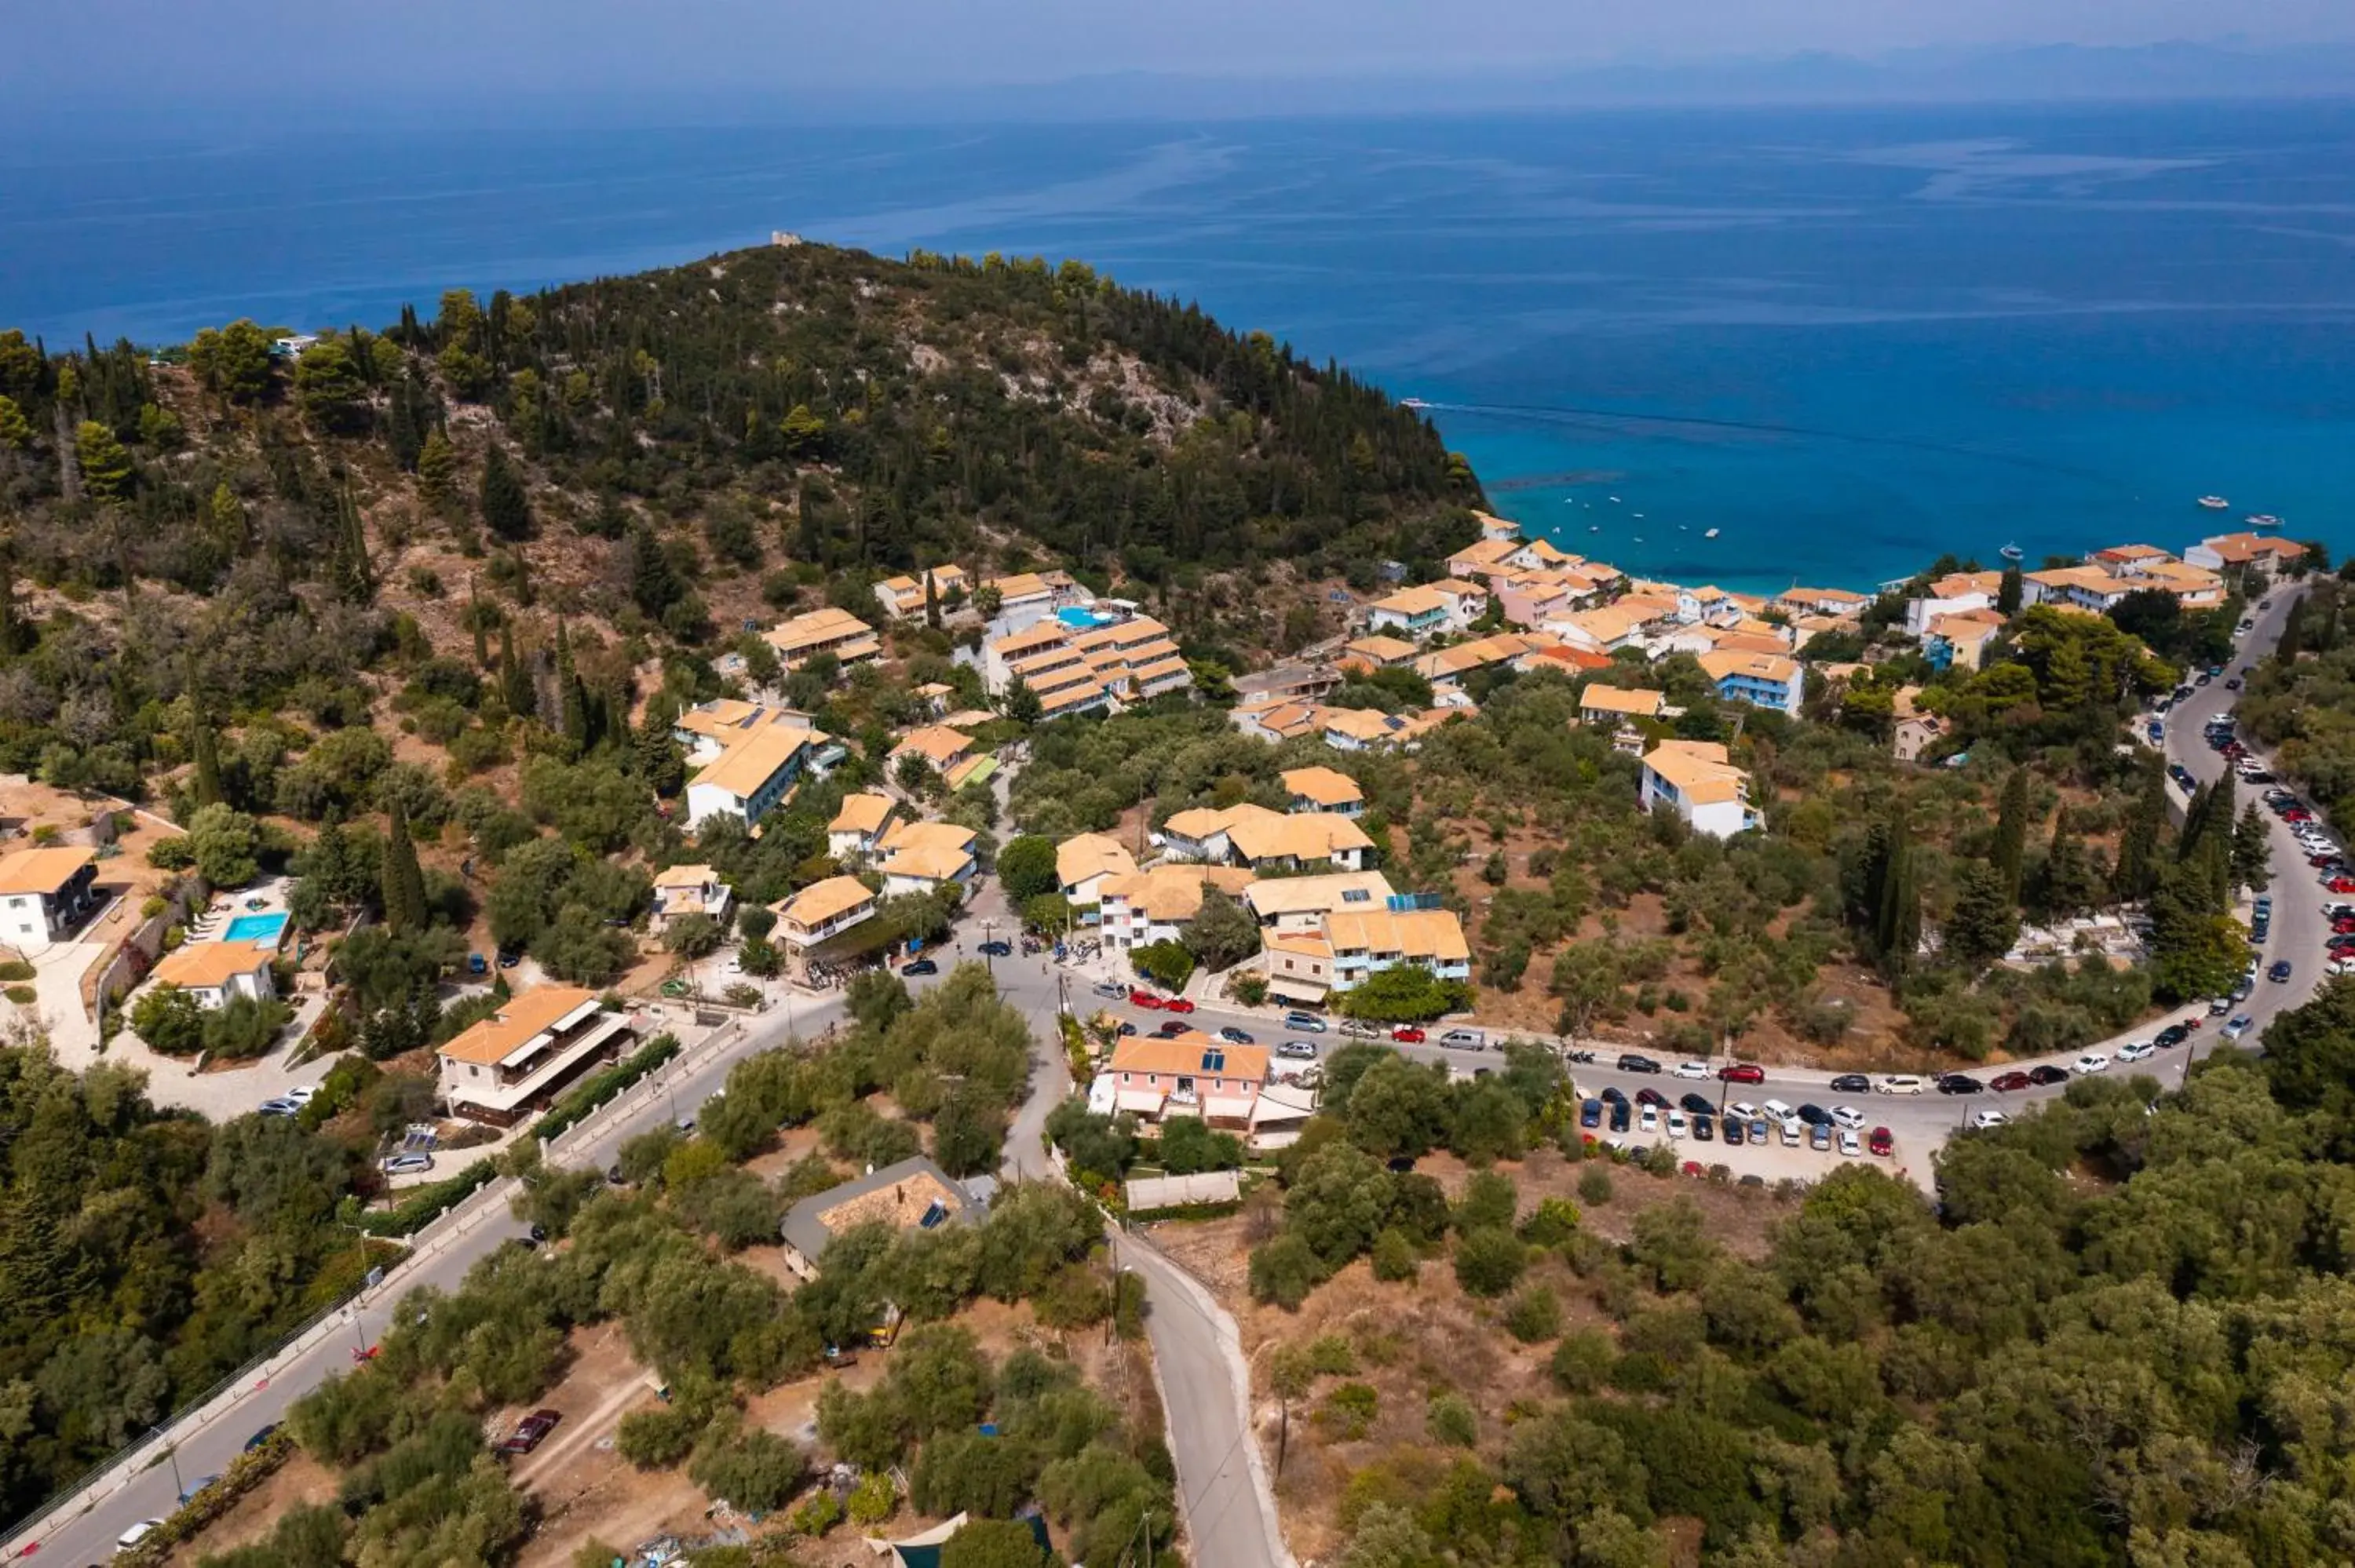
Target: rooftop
<point x="1702" y="770"/>
<point x="1324" y="786"/>
<point x="1274" y="896"/>
<point x="822" y="901"/>
<point x="205" y="966"/>
<point x="745" y="767"/>
<point x="1084" y="855"/>
<point x="1637" y="700"/>
<point x="937" y="744"/>
<point x="524" y="1017"/>
<point x="1193" y="1054"/>
<point x="903" y="1196"/>
<point x="41" y="870"/>
<point x="864" y="812"/>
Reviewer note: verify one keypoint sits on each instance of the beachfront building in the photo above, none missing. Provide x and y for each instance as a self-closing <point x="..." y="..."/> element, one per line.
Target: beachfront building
<point x="708" y="730"/>
<point x="1025" y="598"/>
<point x="822" y="910"/>
<point x="45" y="895"/>
<point x="902" y="597"/>
<point x="2195" y="588"/>
<point x="517" y="1060"/>
<point x="1250" y="834"/>
<point x="2129" y="560"/>
<point x="1762" y="679"/>
<point x="913" y="1194"/>
<point x="684" y="890"/>
<point x="1430" y="610"/>
<point x="218" y="973"/>
<point x="921" y="857"/>
<point x="1697" y="781"/>
<point x="1084" y="861"/>
<point x="2252" y="553"/>
<point x="750" y="778"/>
<point x="1608" y="707"/>
<point x="1961" y="640"/>
<point x="827" y="630"/>
<point x="856" y="834"/>
<point x="1189" y="1074"/>
<point x="2087" y="588"/>
<point x="1956" y="593"/>
<point x="1604" y="630"/>
<point x="1323" y="789"/>
<point x="1135" y="909"/>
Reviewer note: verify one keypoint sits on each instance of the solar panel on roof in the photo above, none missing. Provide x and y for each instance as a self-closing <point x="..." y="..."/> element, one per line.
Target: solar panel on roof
<point x="1214" y="1061"/>
<point x="934" y="1214"/>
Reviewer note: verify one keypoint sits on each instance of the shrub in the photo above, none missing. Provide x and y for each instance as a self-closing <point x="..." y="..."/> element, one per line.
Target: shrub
<point x="1394" y="1256"/>
<point x="1451" y="1420"/>
<point x="874" y="1500"/>
<point x="1535" y="1315"/>
<point x="1581" y="1360"/>
<point x="818" y="1515"/>
<point x="15" y="969"/>
<point x="1488" y="1261"/>
<point x="1594" y="1185"/>
<point x="1350" y="1410"/>
<point x="22" y="995"/>
<point x="655" y="1439"/>
<point x="1284" y="1271"/>
<point x="756" y="1469"/>
<point x="1554" y="1223"/>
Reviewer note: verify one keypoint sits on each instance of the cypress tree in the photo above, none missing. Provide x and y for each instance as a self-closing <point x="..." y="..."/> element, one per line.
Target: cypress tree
<point x="2253" y="852"/>
<point x="2012" y="831"/>
<point x="207" y="788"/>
<point x="2292" y="632"/>
<point x="2068" y="877"/>
<point x="2009" y="591"/>
<point x="2137" y="868"/>
<point x="932" y="601"/>
<point x="515" y="685"/>
<point x="507" y="509"/>
<point x="1898" y="913"/>
<point x="404" y="882"/>
<point x="437" y="470"/>
<point x="475" y="614"/>
<point x="572" y="698"/>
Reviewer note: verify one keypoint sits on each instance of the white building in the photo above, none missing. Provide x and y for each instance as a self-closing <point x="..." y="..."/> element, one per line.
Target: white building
<point x="750" y="778"/>
<point x="684" y="890"/>
<point x="1697" y="781"/>
<point x="857" y="831"/>
<point x="218" y="973"/>
<point x="518" y="1058"/>
<point x="919" y="857"/>
<point x="45" y="894"/>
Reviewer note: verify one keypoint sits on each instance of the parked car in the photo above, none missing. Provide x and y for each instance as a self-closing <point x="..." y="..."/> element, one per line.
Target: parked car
<point x="1743" y="1109"/>
<point x="1883" y="1142"/>
<point x="2240" y="1025"/>
<point x="2136" y="1050"/>
<point x="1170" y="1028"/>
<point x="1112" y="991"/>
<point x="1851" y="1084"/>
<point x="1650" y="1098"/>
<point x="2005" y="1082"/>
<point x="919" y="966"/>
<point x="1819" y="1138"/>
<point x="1234" y="1036"/>
<point x="1649" y="1121"/>
<point x="262" y="1435"/>
<point x="1757" y="1128"/>
<point x="1898" y="1084"/>
<point x="1613" y="1094"/>
<point x="1733" y="1132"/>
<point x="1620" y="1115"/>
<point x="997" y="949"/>
<point x="1464" y="1039"/>
<point x="2168" y="1038"/>
<point x="1590" y="1114"/>
<point x="408" y="1164"/>
<point x="301" y="1094"/>
<point x="137" y="1533"/>
<point x="1678" y="1125"/>
<point x="1743" y="1072"/>
<point x="1847" y="1117"/>
<point x="1697" y="1104"/>
<point x="1988" y="1118"/>
<point x="1814" y="1114"/>
<point x="2090" y="1061"/>
<point x="1297" y="1051"/>
<point x="1848" y="1145"/>
<point x="530" y="1432"/>
<point x="1146" y="999"/>
<point x="1407" y="1035"/>
<point x="279" y="1106"/>
<point x="1959" y="1083"/>
<point x="1307" y="1022"/>
<point x="1695" y="1070"/>
<point x="1631" y="1063"/>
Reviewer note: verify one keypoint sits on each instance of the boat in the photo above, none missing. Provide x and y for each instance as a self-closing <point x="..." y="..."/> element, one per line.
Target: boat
<point x="2214" y="503"/>
<point x="1413" y="403"/>
<point x="2012" y="553"/>
<point x="2262" y="520"/>
<point x="1710" y="535"/>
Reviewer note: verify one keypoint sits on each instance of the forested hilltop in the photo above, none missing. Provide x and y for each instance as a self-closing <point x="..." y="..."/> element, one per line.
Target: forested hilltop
<point x="650" y="450"/>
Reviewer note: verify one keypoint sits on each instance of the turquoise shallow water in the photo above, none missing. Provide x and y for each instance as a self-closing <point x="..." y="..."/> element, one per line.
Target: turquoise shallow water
<point x="1848" y="340"/>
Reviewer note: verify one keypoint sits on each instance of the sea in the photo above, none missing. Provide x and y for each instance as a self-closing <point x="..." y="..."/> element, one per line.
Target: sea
<point x="1846" y="341"/>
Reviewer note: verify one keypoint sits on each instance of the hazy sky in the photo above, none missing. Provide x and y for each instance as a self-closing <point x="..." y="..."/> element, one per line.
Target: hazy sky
<point x="228" y="49"/>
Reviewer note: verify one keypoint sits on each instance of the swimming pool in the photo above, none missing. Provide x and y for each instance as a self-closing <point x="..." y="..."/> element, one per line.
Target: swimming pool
<point x="1079" y="620"/>
<point x="258" y="928"/>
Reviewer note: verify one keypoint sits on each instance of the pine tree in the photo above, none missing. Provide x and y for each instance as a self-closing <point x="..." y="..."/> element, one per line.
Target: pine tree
<point x="206" y="788"/>
<point x="2012" y="832"/>
<point x="437" y="470"/>
<point x="226" y="515"/>
<point x="1984" y="923"/>
<point x="475" y="614"/>
<point x="2139" y="863"/>
<point x="660" y="764"/>
<point x="2009" y="592"/>
<point x="2253" y="850"/>
<point x="105" y="462"/>
<point x="515" y="682"/>
<point x="2070" y="885"/>
<point x="507" y="509"/>
<point x="404" y="882"/>
<point x="572" y="698"/>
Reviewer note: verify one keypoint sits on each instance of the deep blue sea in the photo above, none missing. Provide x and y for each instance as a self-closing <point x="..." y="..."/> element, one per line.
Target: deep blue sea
<point x="1848" y="340"/>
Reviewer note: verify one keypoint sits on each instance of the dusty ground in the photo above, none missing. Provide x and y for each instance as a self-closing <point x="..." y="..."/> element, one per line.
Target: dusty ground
<point x="1408" y="1339"/>
<point x="299" y="1481"/>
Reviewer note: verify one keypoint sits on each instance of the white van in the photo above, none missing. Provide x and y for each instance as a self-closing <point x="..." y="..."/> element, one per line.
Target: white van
<point x="1898" y="1084"/>
<point x="1777" y="1111"/>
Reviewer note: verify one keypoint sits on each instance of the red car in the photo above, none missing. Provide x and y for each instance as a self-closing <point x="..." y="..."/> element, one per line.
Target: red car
<point x="1407" y="1035"/>
<point x="2344" y="925"/>
<point x="1693" y="1167"/>
<point x="1881" y="1143"/>
<point x="1144" y="998"/>
<point x="1169" y="1029"/>
<point x="2341" y="884"/>
<point x="1177" y="1004"/>
<point x="1743" y="1072"/>
<point x="530" y="1432"/>
<point x="2007" y="1082"/>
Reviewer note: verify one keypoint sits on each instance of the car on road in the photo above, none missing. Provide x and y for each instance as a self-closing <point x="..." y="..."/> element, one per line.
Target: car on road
<point x="530" y="1432"/>
<point x="1407" y="1035"/>
<point x="1297" y="1051"/>
<point x="1848" y="1144"/>
<point x="1988" y="1118"/>
<point x="919" y="966"/>
<point x="1234" y="1036"/>
<point x="279" y="1106"/>
<point x="1883" y="1142"/>
<point x="1959" y="1083"/>
<point x="1851" y="1084"/>
<point x="1170" y="1028"/>
<point x="1307" y="1022"/>
<point x="408" y="1164"/>
<point x="1146" y="999"/>
<point x="137" y="1533"/>
<point x="1694" y="1070"/>
<point x="2090" y="1061"/>
<point x="1650" y="1098"/>
<point x="1177" y="1004"/>
<point x="1898" y="1084"/>
<point x="2240" y="1025"/>
<point x="1112" y="991"/>
<point x="2006" y="1083"/>
<point x="1742" y="1073"/>
<point x="2168" y="1038"/>
<point x="1630" y="1062"/>
<point x="997" y="949"/>
<point x="263" y="1435"/>
<point x="1590" y="1114"/>
<point x="1464" y="1039"/>
<point x="2136" y="1050"/>
<point x="2279" y="972"/>
<point x="1699" y="1105"/>
<point x="1847" y="1116"/>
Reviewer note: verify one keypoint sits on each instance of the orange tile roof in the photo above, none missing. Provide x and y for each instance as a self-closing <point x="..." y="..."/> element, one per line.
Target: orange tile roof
<point x="1324" y="786"/>
<point x="744" y="767"/>
<point x="206" y="966"/>
<point x="1185" y="1054"/>
<point x="514" y="1025"/>
<point x="41" y="870"/>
